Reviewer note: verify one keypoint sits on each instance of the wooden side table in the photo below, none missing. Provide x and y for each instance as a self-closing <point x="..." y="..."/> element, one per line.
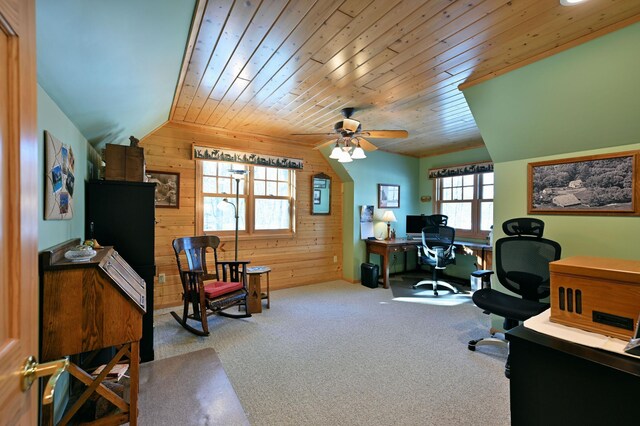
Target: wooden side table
<point x="254" y="300"/>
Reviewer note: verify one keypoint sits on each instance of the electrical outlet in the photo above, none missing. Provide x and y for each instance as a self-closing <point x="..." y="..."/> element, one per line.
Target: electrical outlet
<point x="335" y="259"/>
<point x="161" y="278"/>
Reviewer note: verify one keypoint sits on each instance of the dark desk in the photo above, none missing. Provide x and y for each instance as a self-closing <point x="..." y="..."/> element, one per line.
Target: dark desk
<point x="385" y="248"/>
<point x="556" y="382"/>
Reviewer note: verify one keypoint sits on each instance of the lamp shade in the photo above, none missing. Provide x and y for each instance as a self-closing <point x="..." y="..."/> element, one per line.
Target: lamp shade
<point x="358" y="154"/>
<point x="335" y="153"/>
<point x="344" y="157"/>
<point x="388" y="216"/>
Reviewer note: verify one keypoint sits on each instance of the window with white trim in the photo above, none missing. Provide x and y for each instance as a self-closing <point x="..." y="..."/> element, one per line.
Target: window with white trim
<point x="467" y="200"/>
<point x="265" y="200"/>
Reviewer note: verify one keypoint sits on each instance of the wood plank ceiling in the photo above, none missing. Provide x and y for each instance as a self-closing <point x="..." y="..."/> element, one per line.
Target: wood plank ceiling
<point x="277" y="67"/>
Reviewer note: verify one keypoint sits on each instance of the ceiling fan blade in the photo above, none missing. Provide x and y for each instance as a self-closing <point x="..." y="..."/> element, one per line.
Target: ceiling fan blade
<point x="391" y="134"/>
<point x="315" y="134"/>
<point x="366" y="145"/>
<point x="323" y="144"/>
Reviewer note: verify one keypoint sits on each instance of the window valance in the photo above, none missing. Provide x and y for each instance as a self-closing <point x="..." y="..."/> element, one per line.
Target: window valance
<point x="465" y="169"/>
<point x="212" y="153"/>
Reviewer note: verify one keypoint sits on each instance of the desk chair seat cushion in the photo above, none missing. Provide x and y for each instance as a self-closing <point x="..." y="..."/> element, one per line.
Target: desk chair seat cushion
<point x="507" y="306"/>
<point x="214" y="289"/>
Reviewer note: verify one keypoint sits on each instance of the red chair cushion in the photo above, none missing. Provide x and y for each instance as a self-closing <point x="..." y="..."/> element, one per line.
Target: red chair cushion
<point x="214" y="289"/>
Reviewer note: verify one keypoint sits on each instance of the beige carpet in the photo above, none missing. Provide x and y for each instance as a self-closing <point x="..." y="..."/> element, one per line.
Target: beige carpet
<point x="343" y="354"/>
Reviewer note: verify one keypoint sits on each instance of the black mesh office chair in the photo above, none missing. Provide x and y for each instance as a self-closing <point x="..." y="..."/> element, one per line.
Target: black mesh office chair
<point x="438" y="251"/>
<point x="522" y="266"/>
<point x="436" y="219"/>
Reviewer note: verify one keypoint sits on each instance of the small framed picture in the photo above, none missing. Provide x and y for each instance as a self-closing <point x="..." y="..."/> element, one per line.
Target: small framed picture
<point x="167" y="188"/>
<point x="388" y="196"/>
<point x="317" y="196"/>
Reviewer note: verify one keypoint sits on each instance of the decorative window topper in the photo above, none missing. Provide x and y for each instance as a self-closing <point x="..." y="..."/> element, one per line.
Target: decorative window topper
<point x="211" y="153"/>
<point x="465" y="169"/>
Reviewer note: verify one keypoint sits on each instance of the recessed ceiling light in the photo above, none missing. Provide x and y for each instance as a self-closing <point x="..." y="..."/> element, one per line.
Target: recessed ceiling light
<point x="571" y="2"/>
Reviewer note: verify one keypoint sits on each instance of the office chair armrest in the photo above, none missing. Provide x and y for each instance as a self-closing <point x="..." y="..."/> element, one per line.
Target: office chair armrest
<point x="482" y="273"/>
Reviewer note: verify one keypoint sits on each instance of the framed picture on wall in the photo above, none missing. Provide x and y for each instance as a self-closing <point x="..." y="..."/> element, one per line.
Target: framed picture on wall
<point x="593" y="185"/>
<point x="388" y="196"/>
<point x="167" y="188"/>
<point x="317" y="196"/>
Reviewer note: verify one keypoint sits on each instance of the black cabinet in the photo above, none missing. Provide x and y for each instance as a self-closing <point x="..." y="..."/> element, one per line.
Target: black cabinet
<point x="556" y="382"/>
<point x="122" y="214"/>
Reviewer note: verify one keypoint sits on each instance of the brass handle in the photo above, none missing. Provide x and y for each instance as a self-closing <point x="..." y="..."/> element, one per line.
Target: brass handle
<point x="32" y="370"/>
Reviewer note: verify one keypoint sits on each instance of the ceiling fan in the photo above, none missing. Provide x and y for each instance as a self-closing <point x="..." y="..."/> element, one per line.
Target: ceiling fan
<point x="350" y="143"/>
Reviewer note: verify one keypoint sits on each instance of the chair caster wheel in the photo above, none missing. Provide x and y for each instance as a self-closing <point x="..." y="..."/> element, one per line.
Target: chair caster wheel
<point x="471" y="347"/>
<point x="435" y="293"/>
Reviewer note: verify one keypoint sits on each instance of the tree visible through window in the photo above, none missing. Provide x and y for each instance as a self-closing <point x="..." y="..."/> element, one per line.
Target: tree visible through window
<point x="468" y="202"/>
<point x="265" y="198"/>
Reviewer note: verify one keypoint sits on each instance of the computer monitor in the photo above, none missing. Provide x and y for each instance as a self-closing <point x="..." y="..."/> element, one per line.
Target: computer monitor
<point x="415" y="223"/>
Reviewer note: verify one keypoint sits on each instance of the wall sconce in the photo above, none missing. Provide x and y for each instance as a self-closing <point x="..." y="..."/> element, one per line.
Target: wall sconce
<point x="425" y="198"/>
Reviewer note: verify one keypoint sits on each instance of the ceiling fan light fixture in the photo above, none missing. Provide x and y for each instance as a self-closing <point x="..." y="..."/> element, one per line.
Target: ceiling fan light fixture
<point x="345" y="157"/>
<point x="350" y="125"/>
<point x="358" y="154"/>
<point x="571" y="2"/>
<point x="335" y="153"/>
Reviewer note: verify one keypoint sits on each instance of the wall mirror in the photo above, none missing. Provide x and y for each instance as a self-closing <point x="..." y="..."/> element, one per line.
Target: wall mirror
<point x="320" y="194"/>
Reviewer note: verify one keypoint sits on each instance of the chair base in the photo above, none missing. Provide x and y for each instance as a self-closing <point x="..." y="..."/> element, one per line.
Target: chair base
<point x="435" y="285"/>
<point x="493" y="341"/>
<point x="487" y="341"/>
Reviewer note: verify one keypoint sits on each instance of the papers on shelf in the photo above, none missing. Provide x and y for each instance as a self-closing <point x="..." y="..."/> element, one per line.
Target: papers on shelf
<point x="117" y="372"/>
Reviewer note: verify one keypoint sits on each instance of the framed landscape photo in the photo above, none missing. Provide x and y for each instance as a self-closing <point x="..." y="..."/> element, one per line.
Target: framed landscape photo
<point x="167" y="188"/>
<point x="388" y="196"/>
<point x="594" y="185"/>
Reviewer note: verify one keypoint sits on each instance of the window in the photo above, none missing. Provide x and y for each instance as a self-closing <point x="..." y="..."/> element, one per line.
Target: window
<point x="265" y="198"/>
<point x="468" y="202"/>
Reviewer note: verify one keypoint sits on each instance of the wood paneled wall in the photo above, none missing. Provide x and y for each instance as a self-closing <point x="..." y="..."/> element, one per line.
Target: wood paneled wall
<point x="305" y="258"/>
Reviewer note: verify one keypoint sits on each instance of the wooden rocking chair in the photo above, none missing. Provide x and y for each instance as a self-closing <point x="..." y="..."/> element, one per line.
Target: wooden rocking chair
<point x="205" y="291"/>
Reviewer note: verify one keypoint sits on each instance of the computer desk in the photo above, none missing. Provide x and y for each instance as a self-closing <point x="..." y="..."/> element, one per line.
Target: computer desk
<point x="385" y="248"/>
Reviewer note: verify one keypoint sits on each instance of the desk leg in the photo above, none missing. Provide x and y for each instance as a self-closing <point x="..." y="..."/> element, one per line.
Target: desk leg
<point x="254" y="298"/>
<point x="385" y="270"/>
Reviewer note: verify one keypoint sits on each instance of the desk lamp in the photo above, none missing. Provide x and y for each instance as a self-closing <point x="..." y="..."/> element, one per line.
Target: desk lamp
<point x="389" y="217"/>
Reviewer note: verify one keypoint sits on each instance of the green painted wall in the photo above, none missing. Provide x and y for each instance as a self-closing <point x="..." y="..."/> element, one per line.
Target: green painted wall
<point x="361" y="188"/>
<point x="112" y="66"/>
<point x="579" y="102"/>
<point x="587" y="97"/>
<point x="604" y="236"/>
<point x="348" y="230"/>
<point x="51" y="118"/>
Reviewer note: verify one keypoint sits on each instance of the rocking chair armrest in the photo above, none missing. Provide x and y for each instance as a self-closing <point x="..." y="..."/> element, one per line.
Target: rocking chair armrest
<point x="234" y="262"/>
<point x="234" y="270"/>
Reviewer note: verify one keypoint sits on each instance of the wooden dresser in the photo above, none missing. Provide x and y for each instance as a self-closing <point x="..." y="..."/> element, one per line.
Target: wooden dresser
<point x="88" y="306"/>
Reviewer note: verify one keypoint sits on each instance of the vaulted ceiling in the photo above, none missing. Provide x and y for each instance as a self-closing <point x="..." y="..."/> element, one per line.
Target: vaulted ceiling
<point x="278" y="67"/>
